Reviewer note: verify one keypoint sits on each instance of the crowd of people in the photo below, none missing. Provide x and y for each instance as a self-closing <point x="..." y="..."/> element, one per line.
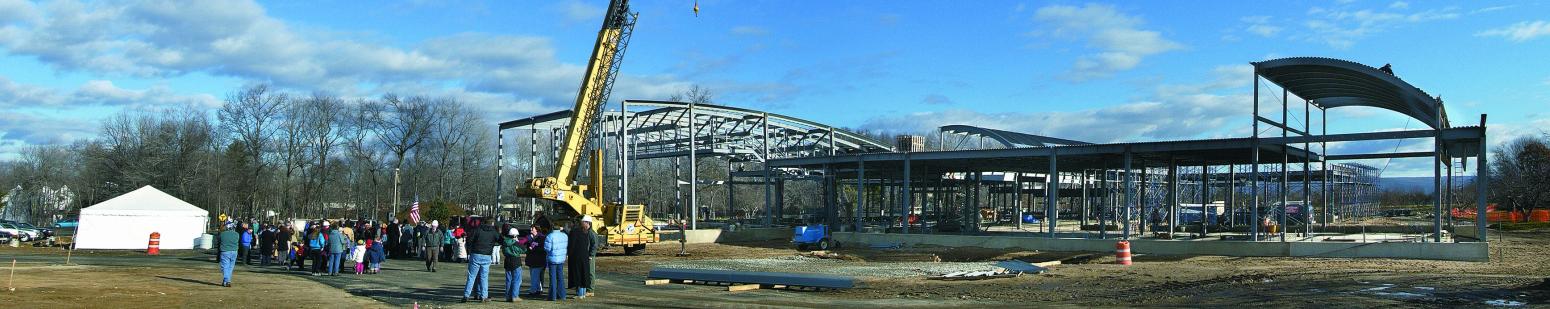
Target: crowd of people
<point x="563" y="254"/>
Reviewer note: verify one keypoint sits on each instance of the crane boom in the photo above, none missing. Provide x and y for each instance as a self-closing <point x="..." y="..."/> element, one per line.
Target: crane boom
<point x="625" y="225"/>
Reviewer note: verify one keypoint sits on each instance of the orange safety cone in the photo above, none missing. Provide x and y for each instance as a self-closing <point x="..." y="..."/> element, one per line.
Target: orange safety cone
<point x="154" y="248"/>
<point x="1122" y="252"/>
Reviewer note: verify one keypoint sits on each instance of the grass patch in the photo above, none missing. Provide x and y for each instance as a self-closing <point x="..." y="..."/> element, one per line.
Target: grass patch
<point x="1521" y="226"/>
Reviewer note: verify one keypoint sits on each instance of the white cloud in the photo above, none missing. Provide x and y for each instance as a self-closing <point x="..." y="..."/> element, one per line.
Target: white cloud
<point x="1260" y="25"/>
<point x="14" y="95"/>
<point x="19" y="130"/>
<point x="1399" y="5"/>
<point x="1520" y="32"/>
<point x="1119" y="42"/>
<point x="1491" y="9"/>
<point x="236" y="38"/>
<point x="36" y="115"/>
<point x="1341" y="28"/>
<point x="1212" y="109"/>
<point x="17" y="11"/>
<point x="576" y="11"/>
<point x="157" y="97"/>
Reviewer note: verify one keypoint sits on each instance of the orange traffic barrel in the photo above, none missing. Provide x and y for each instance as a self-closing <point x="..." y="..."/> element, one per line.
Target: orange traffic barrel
<point x="154" y="248"/>
<point x="1122" y="252"/>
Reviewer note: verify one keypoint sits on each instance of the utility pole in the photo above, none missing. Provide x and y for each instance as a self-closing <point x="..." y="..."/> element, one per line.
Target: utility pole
<point x="394" y="214"/>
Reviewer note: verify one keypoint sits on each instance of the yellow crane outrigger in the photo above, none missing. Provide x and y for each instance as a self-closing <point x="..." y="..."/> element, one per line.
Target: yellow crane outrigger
<point x="624" y="225"/>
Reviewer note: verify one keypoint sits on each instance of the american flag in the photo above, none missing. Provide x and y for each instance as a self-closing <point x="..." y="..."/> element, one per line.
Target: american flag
<point x="414" y="211"/>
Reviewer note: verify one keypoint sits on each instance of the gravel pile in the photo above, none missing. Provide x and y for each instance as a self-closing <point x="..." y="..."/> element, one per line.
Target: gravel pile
<point x="802" y="264"/>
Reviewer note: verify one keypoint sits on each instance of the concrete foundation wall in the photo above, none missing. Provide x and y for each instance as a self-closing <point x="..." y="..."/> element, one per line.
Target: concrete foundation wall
<point x="723" y="236"/>
<point x="1469" y="251"/>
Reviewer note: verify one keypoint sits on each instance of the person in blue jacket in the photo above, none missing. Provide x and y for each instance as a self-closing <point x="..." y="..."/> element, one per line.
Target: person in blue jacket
<point x="246" y="248"/>
<point x="336" y="244"/>
<point x="556" y="242"/>
<point x="315" y="244"/>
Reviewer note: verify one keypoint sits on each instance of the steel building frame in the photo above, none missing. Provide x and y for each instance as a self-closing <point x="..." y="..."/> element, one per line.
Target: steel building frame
<point x="1130" y="188"/>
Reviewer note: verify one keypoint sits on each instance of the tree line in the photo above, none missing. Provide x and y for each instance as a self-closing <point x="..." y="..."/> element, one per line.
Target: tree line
<point x="267" y="153"/>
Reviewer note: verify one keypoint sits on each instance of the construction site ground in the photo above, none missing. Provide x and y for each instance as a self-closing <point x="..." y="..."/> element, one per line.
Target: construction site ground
<point x="893" y="277"/>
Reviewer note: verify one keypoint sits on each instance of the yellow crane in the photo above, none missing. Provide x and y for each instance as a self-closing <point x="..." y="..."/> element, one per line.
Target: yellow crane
<point x="624" y="225"/>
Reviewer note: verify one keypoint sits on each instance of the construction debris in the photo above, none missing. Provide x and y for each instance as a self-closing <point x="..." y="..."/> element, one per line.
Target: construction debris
<point x="976" y="275"/>
<point x="1021" y="267"/>
<point x="1009" y="269"/>
<point x="820" y="254"/>
<point x="742" y="279"/>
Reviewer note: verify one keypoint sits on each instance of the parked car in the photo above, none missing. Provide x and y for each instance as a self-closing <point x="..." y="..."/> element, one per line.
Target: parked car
<point x="5" y="236"/>
<point x="24" y="234"/>
<point x="41" y="232"/>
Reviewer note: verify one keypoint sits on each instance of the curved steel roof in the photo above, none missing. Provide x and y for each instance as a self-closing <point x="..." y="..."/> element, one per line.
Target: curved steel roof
<point x="1335" y="83"/>
<point x="661" y="129"/>
<point x="1009" y="139"/>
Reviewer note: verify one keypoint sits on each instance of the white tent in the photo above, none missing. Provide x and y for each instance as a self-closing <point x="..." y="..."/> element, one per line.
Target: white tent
<point x="126" y="222"/>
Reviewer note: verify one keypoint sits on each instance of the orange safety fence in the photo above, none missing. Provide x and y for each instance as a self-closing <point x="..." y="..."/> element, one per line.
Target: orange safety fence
<point x="1504" y="216"/>
<point x="1541" y="215"/>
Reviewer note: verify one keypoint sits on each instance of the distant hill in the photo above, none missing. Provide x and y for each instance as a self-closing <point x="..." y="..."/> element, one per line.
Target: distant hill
<point x="1423" y="184"/>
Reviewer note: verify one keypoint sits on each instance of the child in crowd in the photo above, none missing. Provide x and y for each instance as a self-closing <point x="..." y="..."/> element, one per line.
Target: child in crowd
<point x="358" y="255"/>
<point x="376" y="255"/>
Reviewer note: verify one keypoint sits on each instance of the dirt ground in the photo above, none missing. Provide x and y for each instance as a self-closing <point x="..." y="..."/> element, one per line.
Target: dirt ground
<point x="87" y="286"/>
<point x="1515" y="275"/>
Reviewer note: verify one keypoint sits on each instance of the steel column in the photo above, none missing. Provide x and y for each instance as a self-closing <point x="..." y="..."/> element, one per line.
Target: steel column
<point x="1172" y="199"/>
<point x="1307" y="211"/>
<point x="1052" y="184"/>
<point x="1173" y="196"/>
<point x="1324" y="165"/>
<point x="1017" y="200"/>
<point x="1205" y="199"/>
<point x="860" y="192"/>
<point x="1085" y="198"/>
<point x="1232" y="194"/>
<point x="764" y="141"/>
<point x="1285" y="159"/>
<point x="906" y="206"/>
<point x="1437" y="186"/>
<point x="1482" y="178"/>
<point x="1129" y="199"/>
<point x="500" y="162"/>
<point x="1254" y="168"/>
<point x="694" y="173"/>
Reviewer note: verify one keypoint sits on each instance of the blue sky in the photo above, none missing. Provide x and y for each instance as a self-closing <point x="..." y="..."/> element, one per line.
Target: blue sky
<point x="1094" y="71"/>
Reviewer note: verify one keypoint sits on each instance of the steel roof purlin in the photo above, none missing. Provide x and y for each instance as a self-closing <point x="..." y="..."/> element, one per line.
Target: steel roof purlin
<point x="661" y="129"/>
<point x="1331" y="83"/>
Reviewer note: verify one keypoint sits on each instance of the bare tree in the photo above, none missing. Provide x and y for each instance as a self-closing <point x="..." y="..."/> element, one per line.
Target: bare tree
<point x="449" y="134"/>
<point x="695" y="94"/>
<point x="249" y="116"/>
<point x="402" y="124"/>
<point x="322" y="117"/>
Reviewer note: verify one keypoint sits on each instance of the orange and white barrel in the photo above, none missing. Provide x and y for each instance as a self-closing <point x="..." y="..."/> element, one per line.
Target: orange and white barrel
<point x="154" y="248"/>
<point x="1122" y="252"/>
